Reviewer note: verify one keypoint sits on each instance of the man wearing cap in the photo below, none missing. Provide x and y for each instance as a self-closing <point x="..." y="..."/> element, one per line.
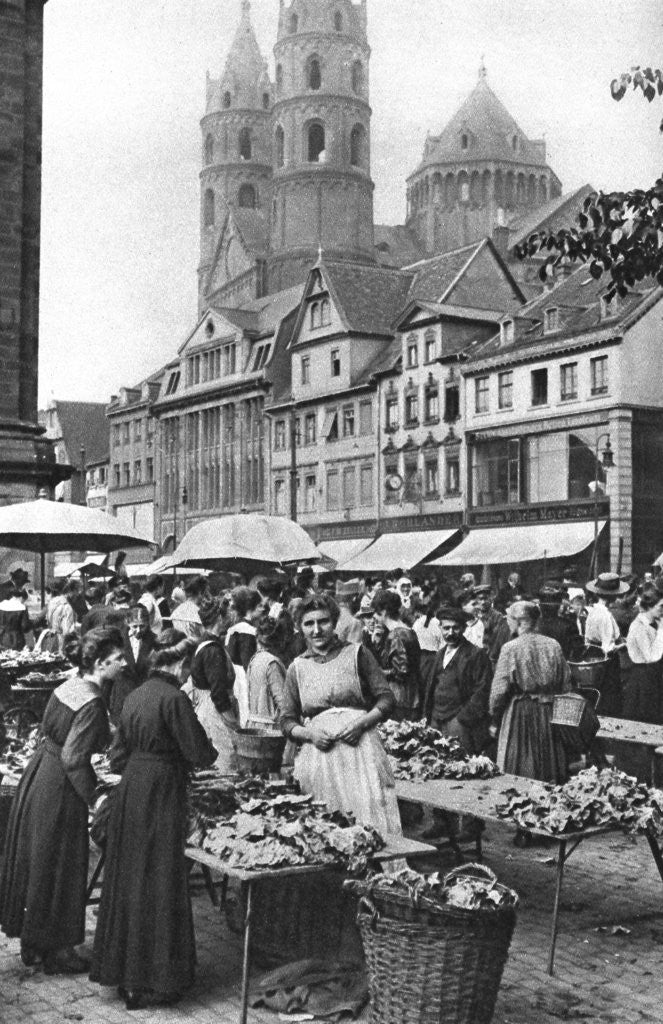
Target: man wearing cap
<point x="457" y="698"/>
<point x="496" y="630"/>
<point x="601" y="630"/>
<point x="349" y="629"/>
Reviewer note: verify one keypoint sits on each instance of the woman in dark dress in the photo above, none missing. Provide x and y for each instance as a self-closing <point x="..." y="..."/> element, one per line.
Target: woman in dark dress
<point x="144" y="942"/>
<point x="43" y="884"/>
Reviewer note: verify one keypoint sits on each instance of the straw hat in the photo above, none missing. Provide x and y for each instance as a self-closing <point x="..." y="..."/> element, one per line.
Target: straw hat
<point x="607" y="584"/>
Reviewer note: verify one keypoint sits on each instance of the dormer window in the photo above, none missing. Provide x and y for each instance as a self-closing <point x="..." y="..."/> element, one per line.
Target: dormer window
<point x="325" y="313"/>
<point x="315" y="316"/>
<point x="551" y="320"/>
<point x="507" y="332"/>
<point x="173" y="382"/>
<point x="209" y="328"/>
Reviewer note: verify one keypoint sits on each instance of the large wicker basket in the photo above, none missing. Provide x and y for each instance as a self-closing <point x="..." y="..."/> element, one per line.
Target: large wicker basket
<point x="257" y="751"/>
<point x="433" y="963"/>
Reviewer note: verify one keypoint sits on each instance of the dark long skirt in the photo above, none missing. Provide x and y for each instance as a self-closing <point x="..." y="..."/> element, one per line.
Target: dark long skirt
<point x="528" y="744"/>
<point x="642" y="693"/>
<point x="144" y="938"/>
<point x="42" y="889"/>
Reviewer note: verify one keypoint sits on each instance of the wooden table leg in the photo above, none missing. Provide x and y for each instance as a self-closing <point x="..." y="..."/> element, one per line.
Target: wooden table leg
<point x="246" y="963"/>
<point x="561" y="860"/>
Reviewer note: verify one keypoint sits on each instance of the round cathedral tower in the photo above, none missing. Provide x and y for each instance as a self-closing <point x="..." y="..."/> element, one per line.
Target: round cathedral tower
<point x="236" y="140"/>
<point x="322" y="192"/>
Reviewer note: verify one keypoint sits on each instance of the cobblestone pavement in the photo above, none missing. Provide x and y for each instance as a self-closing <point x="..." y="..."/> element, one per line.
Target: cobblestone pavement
<point x="600" y="976"/>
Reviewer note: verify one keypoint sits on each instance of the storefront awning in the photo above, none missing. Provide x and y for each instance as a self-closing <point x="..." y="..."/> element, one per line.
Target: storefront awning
<point x="392" y="550"/>
<point x="340" y="551"/>
<point x="500" y="545"/>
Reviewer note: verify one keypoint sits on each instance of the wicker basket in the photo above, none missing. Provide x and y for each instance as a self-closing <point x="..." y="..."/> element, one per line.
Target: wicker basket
<point x="589" y="673"/>
<point x="433" y="963"/>
<point x="575" y="721"/>
<point x="258" y="752"/>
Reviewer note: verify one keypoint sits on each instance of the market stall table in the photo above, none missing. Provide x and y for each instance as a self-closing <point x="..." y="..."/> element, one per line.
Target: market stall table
<point x="623" y="730"/>
<point x="395" y="849"/>
<point x="480" y="798"/>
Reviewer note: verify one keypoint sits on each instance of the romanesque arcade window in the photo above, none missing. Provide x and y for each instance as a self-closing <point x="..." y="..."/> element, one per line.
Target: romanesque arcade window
<point x="209" y="150"/>
<point x="208" y="208"/>
<point x="247" y="197"/>
<point x="316" y="143"/>
<point x="358" y="146"/>
<point x="313" y="73"/>
<point x="245" y="147"/>
<point x="357" y="76"/>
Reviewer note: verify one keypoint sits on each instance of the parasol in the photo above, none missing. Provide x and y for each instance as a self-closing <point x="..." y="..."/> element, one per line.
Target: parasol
<point x="45" y="526"/>
<point x="244" y="543"/>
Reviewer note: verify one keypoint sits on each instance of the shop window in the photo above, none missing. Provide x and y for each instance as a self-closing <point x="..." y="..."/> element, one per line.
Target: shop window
<point x="540" y="387"/>
<point x="316" y="143"/>
<point x="505" y="390"/>
<point x="568" y="381"/>
<point x="496" y="469"/>
<point x="598" y="370"/>
<point x="481" y="394"/>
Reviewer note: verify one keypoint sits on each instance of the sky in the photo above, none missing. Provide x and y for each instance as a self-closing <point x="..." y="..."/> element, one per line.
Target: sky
<point x="124" y="91"/>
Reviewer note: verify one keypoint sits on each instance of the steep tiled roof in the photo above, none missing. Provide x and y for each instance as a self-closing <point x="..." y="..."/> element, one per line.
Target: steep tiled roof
<point x="552" y="216"/>
<point x="245" y="66"/>
<point x="83" y="425"/>
<point x="369" y="298"/>
<point x="577" y="297"/>
<point x="396" y="245"/>
<point x="385" y="360"/>
<point x="434" y="277"/>
<point x="491" y="129"/>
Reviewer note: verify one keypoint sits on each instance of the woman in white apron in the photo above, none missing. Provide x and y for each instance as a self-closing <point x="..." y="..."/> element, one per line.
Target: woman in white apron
<point x="210" y="686"/>
<point x="335" y="696"/>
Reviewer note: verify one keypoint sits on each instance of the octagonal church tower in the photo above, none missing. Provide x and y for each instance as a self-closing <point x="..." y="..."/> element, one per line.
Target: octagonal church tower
<point x="322" y="192"/>
<point x="236" y="140"/>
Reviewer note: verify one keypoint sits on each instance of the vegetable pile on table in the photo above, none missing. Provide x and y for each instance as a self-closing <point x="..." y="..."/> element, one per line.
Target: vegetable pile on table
<point x="472" y="887"/>
<point x="14" y="664"/>
<point x="420" y="753"/>
<point x="15" y="753"/>
<point x="593" y="798"/>
<point x="258" y="823"/>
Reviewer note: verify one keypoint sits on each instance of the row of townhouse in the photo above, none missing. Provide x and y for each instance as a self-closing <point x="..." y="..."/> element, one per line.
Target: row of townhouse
<point x="370" y="402"/>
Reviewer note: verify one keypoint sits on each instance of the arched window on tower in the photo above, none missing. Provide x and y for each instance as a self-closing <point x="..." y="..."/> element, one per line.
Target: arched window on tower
<point x="313" y="73"/>
<point x="227" y="99"/>
<point x="316" y="143"/>
<point x="279" y="146"/>
<point x="358" y="146"/>
<point x="279" y="77"/>
<point x="245" y="144"/>
<point x="247" y="197"/>
<point x="294" y="24"/>
<point x="266" y="99"/>
<point x="208" y="208"/>
<point x="209" y="150"/>
<point x="357" y="76"/>
<point x="338" y="21"/>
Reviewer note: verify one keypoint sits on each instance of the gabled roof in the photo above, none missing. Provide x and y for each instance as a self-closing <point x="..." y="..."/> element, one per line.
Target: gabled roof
<point x="552" y="216"/>
<point x="434" y="277"/>
<point x="445" y="309"/>
<point x="83" y="425"/>
<point x="491" y="128"/>
<point x="367" y="298"/>
<point x="396" y="245"/>
<point x="578" y="299"/>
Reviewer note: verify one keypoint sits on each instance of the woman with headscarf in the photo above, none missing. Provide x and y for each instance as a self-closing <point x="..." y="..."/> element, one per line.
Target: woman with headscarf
<point x="144" y="942"/>
<point x="530" y="670"/>
<point x="44" y="879"/>
<point x="335" y="697"/>
<point x="210" y="688"/>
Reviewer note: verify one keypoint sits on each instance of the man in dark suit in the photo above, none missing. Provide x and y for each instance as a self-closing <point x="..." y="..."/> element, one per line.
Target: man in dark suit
<point x="457" y="698"/>
<point x="138" y="644"/>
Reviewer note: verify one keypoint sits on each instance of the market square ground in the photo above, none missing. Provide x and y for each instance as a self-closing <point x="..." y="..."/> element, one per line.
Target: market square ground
<point x="600" y="976"/>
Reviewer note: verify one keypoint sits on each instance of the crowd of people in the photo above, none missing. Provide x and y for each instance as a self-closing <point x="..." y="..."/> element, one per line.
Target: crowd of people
<point x="168" y="680"/>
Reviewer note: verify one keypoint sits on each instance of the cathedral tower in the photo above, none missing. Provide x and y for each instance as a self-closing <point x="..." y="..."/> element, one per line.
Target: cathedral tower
<point x="322" y="192"/>
<point x="236" y="140"/>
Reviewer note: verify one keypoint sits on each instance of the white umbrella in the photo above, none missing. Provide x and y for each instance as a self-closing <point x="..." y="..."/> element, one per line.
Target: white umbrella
<point x="244" y="543"/>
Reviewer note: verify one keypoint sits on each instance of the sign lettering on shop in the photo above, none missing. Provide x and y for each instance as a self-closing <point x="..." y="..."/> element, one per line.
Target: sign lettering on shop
<point x="538" y="514"/>
<point x="400" y="524"/>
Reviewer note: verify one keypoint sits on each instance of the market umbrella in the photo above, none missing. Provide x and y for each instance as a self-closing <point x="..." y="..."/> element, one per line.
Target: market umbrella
<point x="244" y="543"/>
<point x="45" y="526"/>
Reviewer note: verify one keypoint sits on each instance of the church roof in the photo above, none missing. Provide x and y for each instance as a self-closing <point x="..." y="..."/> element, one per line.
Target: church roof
<point x="396" y="245"/>
<point x="245" y="65"/>
<point x="490" y="129"/>
<point x="555" y="214"/>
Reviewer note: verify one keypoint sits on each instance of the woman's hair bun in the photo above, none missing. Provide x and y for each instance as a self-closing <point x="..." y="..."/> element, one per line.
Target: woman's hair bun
<point x="72" y="648"/>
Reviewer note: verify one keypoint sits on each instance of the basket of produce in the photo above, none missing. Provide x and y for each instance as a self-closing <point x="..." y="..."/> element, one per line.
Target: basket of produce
<point x="258" y="751"/>
<point x="435" y="947"/>
<point x="575" y="721"/>
<point x="419" y="753"/>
